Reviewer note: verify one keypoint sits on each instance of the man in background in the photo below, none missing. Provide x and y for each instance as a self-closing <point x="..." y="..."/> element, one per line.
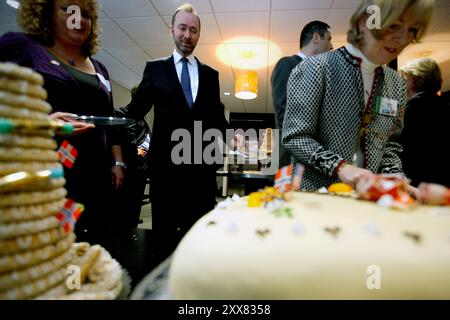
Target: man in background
<point x="315" y="38"/>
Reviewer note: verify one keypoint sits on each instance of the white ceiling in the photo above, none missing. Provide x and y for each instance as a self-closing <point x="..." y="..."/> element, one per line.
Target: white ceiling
<point x="135" y="31"/>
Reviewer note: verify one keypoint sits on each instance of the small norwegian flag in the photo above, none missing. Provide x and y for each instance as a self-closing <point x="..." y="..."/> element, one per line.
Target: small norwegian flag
<point x="69" y="214"/>
<point x="283" y="179"/>
<point x="67" y="154"/>
<point x="289" y="178"/>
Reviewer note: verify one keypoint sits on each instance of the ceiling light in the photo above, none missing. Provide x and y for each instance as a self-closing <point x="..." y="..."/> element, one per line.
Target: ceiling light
<point x="246" y="85"/>
<point x="248" y="53"/>
<point x="425" y="54"/>
<point x="227" y="93"/>
<point x="13" y="3"/>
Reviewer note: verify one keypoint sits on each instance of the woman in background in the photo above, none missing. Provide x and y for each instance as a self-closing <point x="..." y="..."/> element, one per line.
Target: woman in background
<point x="345" y="108"/>
<point x="76" y="84"/>
<point x="425" y="132"/>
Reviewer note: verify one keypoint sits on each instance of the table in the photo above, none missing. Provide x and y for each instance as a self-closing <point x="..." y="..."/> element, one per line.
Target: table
<point x="251" y="179"/>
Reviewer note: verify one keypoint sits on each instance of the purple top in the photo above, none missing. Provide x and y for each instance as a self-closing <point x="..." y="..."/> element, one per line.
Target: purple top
<point x="92" y="170"/>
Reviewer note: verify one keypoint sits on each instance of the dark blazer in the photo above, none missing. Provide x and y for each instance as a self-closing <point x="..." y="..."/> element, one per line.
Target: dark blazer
<point x="424" y="135"/>
<point x="179" y="190"/>
<point x="161" y="89"/>
<point x="279" y="79"/>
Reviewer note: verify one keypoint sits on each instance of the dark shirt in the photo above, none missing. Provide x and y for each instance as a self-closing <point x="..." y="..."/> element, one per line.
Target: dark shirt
<point x="279" y="80"/>
<point x="424" y="139"/>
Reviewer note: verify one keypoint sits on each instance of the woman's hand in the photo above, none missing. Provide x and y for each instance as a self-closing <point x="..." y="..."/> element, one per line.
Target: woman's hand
<point x="118" y="177"/>
<point x="78" y="127"/>
<point x="350" y="174"/>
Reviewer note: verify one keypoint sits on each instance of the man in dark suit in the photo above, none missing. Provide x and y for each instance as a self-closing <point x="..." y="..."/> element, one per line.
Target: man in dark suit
<point x="186" y="98"/>
<point x="314" y="39"/>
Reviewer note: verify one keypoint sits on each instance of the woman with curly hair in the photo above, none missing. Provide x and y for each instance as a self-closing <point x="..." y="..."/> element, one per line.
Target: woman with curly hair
<point x="59" y="44"/>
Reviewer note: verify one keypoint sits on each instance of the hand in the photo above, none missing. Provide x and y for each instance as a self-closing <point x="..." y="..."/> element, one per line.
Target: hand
<point x="141" y="152"/>
<point x="433" y="194"/>
<point x="78" y="127"/>
<point x="118" y="177"/>
<point x="350" y="174"/>
<point x="413" y="191"/>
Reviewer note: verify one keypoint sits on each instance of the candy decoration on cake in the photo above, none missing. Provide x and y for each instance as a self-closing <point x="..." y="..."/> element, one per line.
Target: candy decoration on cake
<point x="333" y="231"/>
<point x="391" y="192"/>
<point x="36" y="220"/>
<point x="415" y="236"/>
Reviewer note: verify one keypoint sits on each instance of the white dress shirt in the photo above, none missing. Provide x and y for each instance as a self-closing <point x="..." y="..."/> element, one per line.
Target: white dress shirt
<point x="302" y="55"/>
<point x="368" y="75"/>
<point x="192" y="68"/>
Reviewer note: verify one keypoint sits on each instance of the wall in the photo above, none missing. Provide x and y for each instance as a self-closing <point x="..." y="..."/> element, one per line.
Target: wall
<point x="122" y="97"/>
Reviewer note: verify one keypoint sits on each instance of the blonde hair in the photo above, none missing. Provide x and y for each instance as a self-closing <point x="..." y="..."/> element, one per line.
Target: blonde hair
<point x="187" y="7"/>
<point x="35" y="17"/>
<point x="425" y="74"/>
<point x="390" y="11"/>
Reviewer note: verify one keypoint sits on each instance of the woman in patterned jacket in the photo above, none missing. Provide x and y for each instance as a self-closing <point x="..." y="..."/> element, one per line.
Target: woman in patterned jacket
<point x="345" y="108"/>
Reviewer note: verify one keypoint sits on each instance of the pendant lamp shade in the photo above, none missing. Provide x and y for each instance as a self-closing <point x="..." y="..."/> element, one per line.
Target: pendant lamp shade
<point x="246" y="85"/>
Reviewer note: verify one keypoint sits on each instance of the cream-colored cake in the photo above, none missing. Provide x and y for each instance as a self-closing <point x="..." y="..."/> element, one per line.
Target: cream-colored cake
<point x="315" y="247"/>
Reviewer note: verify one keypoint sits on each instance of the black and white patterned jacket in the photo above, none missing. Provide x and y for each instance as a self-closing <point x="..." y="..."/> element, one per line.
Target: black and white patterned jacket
<point x="323" y="123"/>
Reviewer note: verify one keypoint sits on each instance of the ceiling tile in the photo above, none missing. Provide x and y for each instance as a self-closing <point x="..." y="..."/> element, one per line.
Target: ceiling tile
<point x="304" y="4"/>
<point x="287" y="25"/>
<point x="124" y="76"/>
<point x="129" y="55"/>
<point x="7" y="18"/>
<point x="289" y="48"/>
<point x="166" y="7"/>
<point x="248" y="24"/>
<point x="127" y="9"/>
<point x="157" y="52"/>
<point x="113" y="36"/>
<point x="146" y="31"/>
<point x="339" y="21"/>
<point x="138" y="69"/>
<point x="240" y="6"/>
<point x="209" y="32"/>
<point x="102" y="15"/>
<point x="342" y="4"/>
<point x="7" y="13"/>
<point x="108" y="60"/>
<point x="4" y="28"/>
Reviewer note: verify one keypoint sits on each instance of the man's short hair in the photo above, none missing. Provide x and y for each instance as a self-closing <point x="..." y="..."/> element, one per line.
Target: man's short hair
<point x="188" y="8"/>
<point x="308" y="31"/>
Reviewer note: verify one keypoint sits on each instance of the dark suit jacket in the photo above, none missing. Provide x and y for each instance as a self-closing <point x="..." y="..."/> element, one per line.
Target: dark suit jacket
<point x="425" y="134"/>
<point x="161" y="89"/>
<point x="279" y="79"/>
